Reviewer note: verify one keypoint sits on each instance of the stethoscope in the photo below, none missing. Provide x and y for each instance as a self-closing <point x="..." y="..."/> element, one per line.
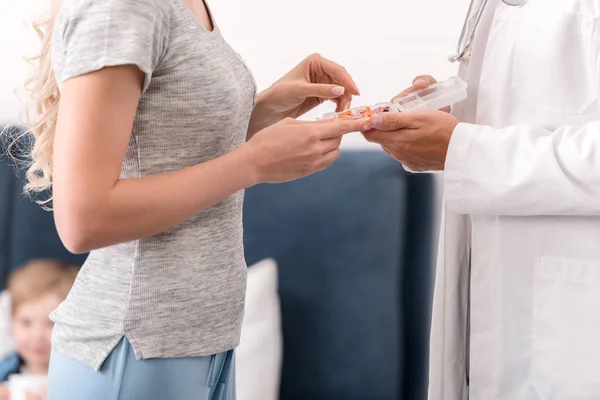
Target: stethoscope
<point x="468" y="32"/>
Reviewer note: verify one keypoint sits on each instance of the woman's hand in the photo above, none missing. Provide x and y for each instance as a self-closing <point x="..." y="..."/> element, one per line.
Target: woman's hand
<point x="309" y="84"/>
<point x="293" y="149"/>
<point x="4" y="393"/>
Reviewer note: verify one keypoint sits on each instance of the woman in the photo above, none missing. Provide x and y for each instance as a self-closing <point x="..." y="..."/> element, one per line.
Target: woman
<point x="156" y="134"/>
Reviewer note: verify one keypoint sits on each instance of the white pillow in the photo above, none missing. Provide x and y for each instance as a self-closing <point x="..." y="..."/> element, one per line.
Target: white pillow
<point x="6" y="343"/>
<point x="260" y="354"/>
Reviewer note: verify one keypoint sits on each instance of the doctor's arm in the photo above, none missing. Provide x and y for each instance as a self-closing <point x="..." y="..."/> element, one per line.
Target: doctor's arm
<point x="519" y="170"/>
<point x="524" y="170"/>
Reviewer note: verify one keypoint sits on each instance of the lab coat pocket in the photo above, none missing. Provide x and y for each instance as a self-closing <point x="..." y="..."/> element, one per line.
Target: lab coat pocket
<point x="566" y="329"/>
<point x="553" y="63"/>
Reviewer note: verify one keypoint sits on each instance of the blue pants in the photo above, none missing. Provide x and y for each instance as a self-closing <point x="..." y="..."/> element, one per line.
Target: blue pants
<point x="123" y="377"/>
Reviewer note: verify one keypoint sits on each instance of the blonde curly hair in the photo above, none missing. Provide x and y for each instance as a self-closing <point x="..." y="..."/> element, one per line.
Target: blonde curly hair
<point x="42" y="107"/>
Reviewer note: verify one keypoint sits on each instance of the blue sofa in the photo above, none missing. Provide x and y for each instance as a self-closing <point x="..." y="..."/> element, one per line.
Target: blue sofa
<point x="354" y="246"/>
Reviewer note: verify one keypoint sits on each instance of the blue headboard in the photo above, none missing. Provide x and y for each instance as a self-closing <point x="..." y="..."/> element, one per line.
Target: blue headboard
<point x="354" y="247"/>
<point x="26" y="231"/>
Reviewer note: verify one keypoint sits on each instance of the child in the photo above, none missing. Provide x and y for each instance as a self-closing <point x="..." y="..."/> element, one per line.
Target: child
<point x="35" y="289"/>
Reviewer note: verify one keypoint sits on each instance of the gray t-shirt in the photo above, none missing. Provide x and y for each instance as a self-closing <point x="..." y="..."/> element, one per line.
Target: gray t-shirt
<point x="179" y="293"/>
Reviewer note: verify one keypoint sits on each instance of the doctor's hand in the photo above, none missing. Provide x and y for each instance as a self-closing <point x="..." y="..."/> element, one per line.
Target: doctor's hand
<point x="312" y="82"/>
<point x="418" y="139"/>
<point x="419" y="83"/>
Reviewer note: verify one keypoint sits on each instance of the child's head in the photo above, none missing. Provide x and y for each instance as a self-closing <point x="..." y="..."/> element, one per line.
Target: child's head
<point x="36" y="289"/>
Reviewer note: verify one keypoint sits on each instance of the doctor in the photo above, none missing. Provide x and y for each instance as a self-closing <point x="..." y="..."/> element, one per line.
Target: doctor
<point x="517" y="296"/>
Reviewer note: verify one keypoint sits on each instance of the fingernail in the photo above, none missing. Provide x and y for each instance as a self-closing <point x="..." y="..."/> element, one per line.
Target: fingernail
<point x="422" y="82"/>
<point x="367" y="127"/>
<point x="376" y="120"/>
<point x="338" y="91"/>
<point x="348" y="105"/>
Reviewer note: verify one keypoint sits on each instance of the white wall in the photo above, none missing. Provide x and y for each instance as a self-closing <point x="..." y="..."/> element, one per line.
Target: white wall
<point x="17" y="40"/>
<point x="383" y="44"/>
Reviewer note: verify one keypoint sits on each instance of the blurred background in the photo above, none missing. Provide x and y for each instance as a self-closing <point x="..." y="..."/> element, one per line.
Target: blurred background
<point x="346" y="315"/>
<point x="383" y="44"/>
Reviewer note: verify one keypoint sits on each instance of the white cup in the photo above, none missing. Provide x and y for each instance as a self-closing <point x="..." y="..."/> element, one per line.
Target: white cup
<point x="21" y="384"/>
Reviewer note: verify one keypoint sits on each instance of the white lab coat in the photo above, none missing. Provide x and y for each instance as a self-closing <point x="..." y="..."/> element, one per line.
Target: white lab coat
<point x="521" y="321"/>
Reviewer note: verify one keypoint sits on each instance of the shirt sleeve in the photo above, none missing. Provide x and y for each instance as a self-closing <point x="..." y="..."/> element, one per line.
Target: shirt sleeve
<point x="95" y="34"/>
<point x="524" y="170"/>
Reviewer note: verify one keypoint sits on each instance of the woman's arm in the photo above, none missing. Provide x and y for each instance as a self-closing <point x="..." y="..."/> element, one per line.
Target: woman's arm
<point x="94" y="208"/>
<point x="262" y="117"/>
